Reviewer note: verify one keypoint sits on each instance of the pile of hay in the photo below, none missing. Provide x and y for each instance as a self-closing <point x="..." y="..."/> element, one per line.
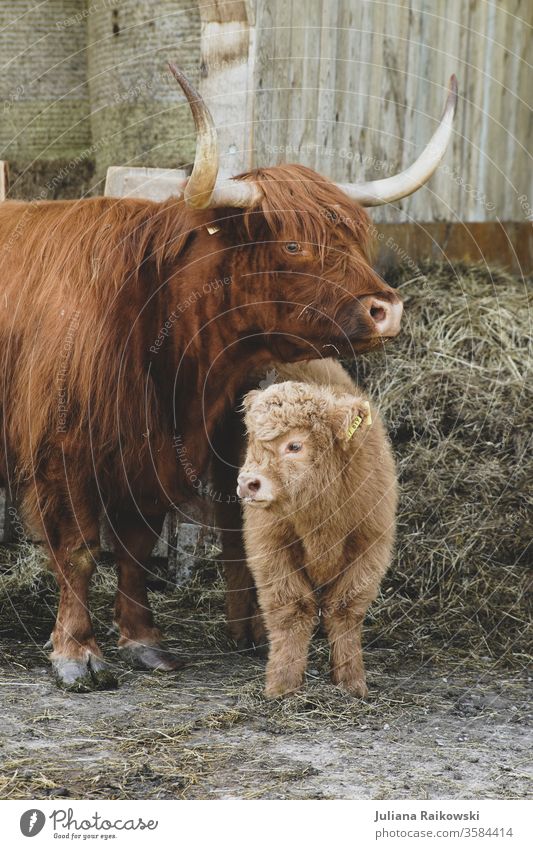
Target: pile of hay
<point x="455" y="393"/>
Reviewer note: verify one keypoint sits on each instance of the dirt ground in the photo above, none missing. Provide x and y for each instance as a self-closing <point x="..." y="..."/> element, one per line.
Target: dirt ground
<point x="447" y="642"/>
<point x="436" y="725"/>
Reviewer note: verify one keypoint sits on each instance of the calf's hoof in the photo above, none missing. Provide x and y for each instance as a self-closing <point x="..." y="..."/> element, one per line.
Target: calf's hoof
<point x="278" y="691"/>
<point x="276" y="688"/>
<point x="83" y="675"/>
<point x="357" y="689"/>
<point x="147" y="656"/>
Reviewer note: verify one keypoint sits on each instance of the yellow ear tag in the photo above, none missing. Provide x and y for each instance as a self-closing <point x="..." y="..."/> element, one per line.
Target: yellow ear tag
<point x="212" y="230"/>
<point x="359" y="420"/>
<point x="353" y="427"/>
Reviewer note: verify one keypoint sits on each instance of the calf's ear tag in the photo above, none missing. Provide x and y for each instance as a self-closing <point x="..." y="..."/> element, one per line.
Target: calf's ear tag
<point x="353" y="427"/>
<point x="212" y="230"/>
<point x="357" y="422"/>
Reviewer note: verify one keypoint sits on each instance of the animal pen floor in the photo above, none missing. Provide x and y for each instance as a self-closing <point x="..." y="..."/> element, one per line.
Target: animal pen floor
<point x="437" y="725"/>
<point x="446" y="643"/>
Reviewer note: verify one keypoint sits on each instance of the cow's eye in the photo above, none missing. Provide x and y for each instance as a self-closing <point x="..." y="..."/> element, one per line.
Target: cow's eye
<point x="294" y="447"/>
<point x="293" y="247"/>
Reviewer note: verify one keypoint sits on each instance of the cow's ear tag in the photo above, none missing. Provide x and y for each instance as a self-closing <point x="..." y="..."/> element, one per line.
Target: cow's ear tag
<point x="212" y="230"/>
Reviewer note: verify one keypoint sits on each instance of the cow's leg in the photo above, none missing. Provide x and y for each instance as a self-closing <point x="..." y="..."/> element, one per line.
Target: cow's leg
<point x="77" y="661"/>
<point x="72" y="535"/>
<point x="245" y="622"/>
<point x="140" y="641"/>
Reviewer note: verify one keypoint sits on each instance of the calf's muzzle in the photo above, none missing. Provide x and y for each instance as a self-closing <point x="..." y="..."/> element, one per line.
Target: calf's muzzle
<point x="253" y="487"/>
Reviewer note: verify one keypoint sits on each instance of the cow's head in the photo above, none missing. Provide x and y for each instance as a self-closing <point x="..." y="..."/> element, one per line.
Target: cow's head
<point x="301" y="272"/>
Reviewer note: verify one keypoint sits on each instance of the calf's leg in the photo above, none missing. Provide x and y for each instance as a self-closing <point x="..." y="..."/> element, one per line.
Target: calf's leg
<point x="291" y="615"/>
<point x="245" y="621"/>
<point x="343" y="628"/>
<point x="344" y="605"/>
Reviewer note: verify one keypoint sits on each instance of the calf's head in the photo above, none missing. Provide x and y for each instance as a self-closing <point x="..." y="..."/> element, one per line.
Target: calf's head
<point x="298" y="437"/>
<point x="300" y="269"/>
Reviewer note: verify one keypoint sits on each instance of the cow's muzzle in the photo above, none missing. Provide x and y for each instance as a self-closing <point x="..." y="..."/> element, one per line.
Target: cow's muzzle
<point x="370" y="317"/>
<point x="386" y="315"/>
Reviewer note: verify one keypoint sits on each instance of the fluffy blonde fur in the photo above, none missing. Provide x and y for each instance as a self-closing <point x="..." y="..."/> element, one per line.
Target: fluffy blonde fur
<point x="319" y="549"/>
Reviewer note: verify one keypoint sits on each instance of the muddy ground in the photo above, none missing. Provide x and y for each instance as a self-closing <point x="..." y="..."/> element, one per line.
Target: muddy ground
<point x="437" y="724"/>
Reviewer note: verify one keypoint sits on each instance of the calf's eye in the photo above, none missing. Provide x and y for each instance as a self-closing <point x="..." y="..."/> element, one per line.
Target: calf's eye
<point x="293" y="247"/>
<point x="294" y="447"/>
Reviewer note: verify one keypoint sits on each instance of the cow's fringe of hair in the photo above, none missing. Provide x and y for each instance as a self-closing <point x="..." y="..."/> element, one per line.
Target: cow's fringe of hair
<point x="298" y="203"/>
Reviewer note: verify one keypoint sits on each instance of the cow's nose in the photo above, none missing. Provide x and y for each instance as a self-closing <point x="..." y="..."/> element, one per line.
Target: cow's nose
<point x="386" y="315"/>
<point x="248" y="485"/>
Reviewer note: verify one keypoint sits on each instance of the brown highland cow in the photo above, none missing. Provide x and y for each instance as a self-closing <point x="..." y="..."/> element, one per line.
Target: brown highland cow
<point x="128" y="331"/>
<point x="320" y="494"/>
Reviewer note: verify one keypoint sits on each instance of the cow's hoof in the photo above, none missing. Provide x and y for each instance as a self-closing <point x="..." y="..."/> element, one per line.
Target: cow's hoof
<point x="145" y="656"/>
<point x="250" y="636"/>
<point x="247" y="645"/>
<point x="83" y="676"/>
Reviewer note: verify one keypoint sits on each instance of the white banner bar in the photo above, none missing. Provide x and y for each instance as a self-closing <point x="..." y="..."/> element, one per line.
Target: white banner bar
<point x="257" y="824"/>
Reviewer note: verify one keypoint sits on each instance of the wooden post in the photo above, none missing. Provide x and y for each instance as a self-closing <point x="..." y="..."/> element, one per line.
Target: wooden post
<point x="227" y="77"/>
<point x="150" y="183"/>
<point x="227" y="85"/>
<point x="4" y="179"/>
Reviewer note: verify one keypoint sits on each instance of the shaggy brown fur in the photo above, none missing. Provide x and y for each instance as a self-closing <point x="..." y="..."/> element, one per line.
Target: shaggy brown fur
<point x="127" y="329"/>
<point x="320" y="494"/>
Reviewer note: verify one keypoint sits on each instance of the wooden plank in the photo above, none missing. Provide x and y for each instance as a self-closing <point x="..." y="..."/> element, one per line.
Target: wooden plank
<point x="506" y="245"/>
<point x="150" y="183"/>
<point x="303" y="77"/>
<point x="273" y="105"/>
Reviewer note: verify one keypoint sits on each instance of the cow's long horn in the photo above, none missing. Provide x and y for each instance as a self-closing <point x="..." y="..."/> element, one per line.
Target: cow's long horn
<point x="201" y="190"/>
<point x="376" y="192"/>
<point x="200" y="185"/>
